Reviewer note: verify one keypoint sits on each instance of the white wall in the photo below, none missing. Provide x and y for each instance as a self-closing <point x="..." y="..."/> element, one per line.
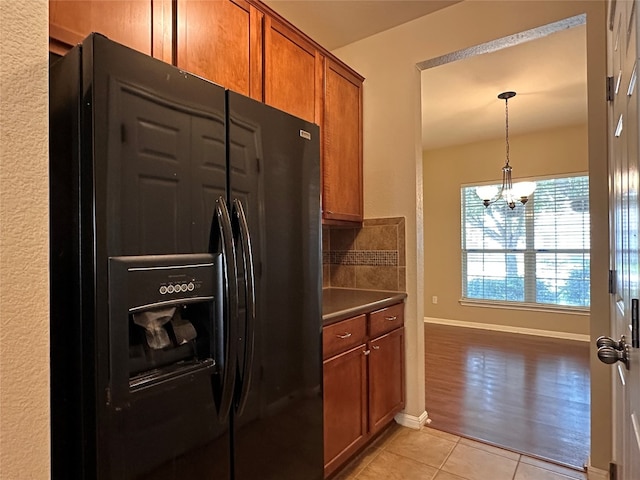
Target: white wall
<point x="24" y="236"/>
<point x="393" y="163"/>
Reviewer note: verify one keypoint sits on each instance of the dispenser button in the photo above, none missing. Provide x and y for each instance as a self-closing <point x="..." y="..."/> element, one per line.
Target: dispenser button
<point x="191" y="286"/>
<point x="163" y="290"/>
<point x="183" y="287"/>
<point x="170" y="289"/>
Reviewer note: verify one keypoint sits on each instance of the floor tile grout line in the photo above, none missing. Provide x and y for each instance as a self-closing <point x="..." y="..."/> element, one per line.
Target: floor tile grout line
<point x="515" y="472"/>
<point x="458" y="440"/>
<point x="517" y="462"/>
<point x="514" y="451"/>
<point x="376" y="455"/>
<point x="542" y="466"/>
<point x="455" y="444"/>
<point x="424" y="430"/>
<point x="520" y="455"/>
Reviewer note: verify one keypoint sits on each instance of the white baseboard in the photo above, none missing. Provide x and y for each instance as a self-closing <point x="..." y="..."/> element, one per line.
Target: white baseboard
<point x="510" y="329"/>
<point x="594" y="473"/>
<point x="412" y="421"/>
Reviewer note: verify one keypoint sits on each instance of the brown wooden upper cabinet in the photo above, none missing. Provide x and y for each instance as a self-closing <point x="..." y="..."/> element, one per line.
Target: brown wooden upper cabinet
<point x="222" y="42"/>
<point x="246" y="47"/>
<point x="127" y="22"/>
<point x="292" y="71"/>
<point x="342" y="145"/>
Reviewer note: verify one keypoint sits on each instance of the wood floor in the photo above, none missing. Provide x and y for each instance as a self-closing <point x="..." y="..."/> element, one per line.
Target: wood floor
<point x="526" y="393"/>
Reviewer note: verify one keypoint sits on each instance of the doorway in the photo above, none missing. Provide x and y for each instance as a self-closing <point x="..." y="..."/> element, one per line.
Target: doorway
<point x="464" y="144"/>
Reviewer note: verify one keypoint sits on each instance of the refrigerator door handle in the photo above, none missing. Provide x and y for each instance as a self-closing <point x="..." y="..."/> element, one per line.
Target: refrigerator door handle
<point x="250" y="303"/>
<point x="230" y="308"/>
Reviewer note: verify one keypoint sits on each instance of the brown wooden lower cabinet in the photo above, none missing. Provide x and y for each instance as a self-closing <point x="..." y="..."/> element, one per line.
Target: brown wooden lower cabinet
<point x="386" y="379"/>
<point x="363" y="385"/>
<point x="345" y="406"/>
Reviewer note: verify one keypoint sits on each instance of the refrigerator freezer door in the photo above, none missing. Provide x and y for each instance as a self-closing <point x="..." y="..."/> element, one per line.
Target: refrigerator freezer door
<point x="138" y="162"/>
<point x="166" y="169"/>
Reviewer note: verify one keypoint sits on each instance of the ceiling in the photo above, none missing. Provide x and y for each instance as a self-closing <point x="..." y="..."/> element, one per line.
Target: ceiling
<point x="336" y="23"/>
<point x="460" y="103"/>
<point x="549" y="76"/>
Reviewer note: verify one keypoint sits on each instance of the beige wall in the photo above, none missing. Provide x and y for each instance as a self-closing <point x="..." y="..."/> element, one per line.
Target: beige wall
<point x="24" y="288"/>
<point x="393" y="157"/>
<point x="392" y="165"/>
<point x="558" y="151"/>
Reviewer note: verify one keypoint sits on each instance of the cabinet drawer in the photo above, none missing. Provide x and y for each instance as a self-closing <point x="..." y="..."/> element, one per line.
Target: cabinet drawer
<point x="343" y="335"/>
<point x="385" y="320"/>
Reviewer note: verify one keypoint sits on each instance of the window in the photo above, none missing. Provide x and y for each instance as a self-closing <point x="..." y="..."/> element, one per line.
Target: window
<point x="535" y="254"/>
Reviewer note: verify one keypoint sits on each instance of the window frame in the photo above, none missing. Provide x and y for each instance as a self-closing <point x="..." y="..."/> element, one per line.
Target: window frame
<point x="529" y="258"/>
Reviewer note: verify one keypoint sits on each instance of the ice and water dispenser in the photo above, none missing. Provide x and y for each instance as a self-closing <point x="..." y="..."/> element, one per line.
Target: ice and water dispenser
<point x="164" y="312"/>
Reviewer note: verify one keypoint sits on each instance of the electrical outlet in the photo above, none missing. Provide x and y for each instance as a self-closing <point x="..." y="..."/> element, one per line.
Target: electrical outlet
<point x="434" y="299"/>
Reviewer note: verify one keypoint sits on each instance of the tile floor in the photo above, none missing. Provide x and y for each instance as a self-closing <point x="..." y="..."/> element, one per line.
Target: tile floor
<point x="405" y="454"/>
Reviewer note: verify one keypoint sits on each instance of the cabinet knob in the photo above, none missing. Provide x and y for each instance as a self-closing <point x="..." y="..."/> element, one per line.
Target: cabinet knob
<point x="366" y="352"/>
<point x="391" y="319"/>
<point x="344" y="335"/>
<point x="376" y="347"/>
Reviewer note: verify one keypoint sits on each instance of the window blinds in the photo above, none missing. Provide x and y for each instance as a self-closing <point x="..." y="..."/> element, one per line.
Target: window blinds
<point x="538" y="253"/>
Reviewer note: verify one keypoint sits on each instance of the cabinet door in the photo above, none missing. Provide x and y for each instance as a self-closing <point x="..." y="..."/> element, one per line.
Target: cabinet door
<point x="124" y="21"/>
<point x="293" y="72"/>
<point x="162" y="34"/>
<point x="342" y="141"/>
<point x="386" y="378"/>
<point x="345" y="406"/>
<point x="222" y="41"/>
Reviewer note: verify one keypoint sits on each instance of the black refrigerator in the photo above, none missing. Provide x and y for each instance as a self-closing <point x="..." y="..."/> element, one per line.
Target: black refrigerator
<point x="185" y="276"/>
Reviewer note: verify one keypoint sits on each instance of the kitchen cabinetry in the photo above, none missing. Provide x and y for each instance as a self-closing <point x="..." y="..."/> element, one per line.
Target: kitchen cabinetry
<point x="221" y="41"/>
<point x="247" y="47"/>
<point x="363" y="380"/>
<point x="127" y="22"/>
<point x="386" y="379"/>
<point x="345" y="405"/>
<point x="342" y="142"/>
<point x="292" y="72"/>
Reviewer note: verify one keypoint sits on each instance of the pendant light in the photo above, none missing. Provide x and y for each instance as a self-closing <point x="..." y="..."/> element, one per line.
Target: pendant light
<point x="511" y="193"/>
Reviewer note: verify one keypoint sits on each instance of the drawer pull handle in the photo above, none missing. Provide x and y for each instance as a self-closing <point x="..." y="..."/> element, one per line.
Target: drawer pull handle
<point x="392" y="319"/>
<point x="366" y="352"/>
<point x="346" y="335"/>
<point x="376" y="347"/>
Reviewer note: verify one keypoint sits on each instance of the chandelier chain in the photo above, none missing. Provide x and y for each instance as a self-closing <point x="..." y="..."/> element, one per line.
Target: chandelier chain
<point x="506" y="129"/>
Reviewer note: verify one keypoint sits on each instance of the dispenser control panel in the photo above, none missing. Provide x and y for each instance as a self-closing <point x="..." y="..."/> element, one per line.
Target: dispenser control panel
<point x="158" y="279"/>
<point x="177" y="287"/>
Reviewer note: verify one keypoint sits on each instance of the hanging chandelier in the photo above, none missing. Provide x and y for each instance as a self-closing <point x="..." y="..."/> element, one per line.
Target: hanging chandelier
<point x="511" y="192"/>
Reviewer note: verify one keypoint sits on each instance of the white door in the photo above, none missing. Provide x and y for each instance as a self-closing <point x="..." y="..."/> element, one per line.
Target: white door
<point x="624" y="216"/>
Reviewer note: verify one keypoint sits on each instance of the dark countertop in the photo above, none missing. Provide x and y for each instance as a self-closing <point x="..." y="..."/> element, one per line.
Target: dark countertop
<point x="341" y="303"/>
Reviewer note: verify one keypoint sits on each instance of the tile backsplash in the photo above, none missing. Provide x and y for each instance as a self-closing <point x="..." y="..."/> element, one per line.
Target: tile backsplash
<point x="370" y="257"/>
